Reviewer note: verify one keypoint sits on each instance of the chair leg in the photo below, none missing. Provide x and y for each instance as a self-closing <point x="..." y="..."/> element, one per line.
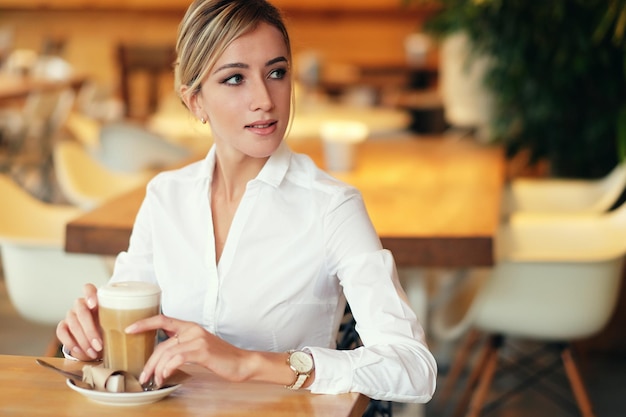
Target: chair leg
<point x="486" y="353"/>
<point x="575" y="380"/>
<point x="458" y="365"/>
<point x="480" y="394"/>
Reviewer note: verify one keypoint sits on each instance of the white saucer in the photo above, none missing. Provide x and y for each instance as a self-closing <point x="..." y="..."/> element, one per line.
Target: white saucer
<point x="123" y="398"/>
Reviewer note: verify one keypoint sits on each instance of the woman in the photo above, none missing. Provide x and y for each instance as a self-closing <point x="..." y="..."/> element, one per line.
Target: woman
<point x="255" y="249"/>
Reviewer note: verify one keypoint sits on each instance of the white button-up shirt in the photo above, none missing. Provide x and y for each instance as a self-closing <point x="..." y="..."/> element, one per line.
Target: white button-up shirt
<point x="300" y="244"/>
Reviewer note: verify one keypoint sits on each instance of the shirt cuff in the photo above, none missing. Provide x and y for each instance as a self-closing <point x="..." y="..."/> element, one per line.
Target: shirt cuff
<point x="338" y="376"/>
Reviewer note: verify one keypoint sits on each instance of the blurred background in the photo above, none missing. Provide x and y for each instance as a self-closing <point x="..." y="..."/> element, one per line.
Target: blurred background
<point x="387" y="62"/>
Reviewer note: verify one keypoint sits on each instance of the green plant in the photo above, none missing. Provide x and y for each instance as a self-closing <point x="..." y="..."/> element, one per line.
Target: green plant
<point x="558" y="80"/>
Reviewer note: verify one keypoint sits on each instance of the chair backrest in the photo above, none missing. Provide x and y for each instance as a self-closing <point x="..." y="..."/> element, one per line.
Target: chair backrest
<point x="84" y="181"/>
<point x="610" y="187"/>
<point x="128" y="147"/>
<point x="549" y="300"/>
<point x="574" y="237"/>
<point x="556" y="278"/>
<point x="24" y="218"/>
<point x="566" y="195"/>
<point x="155" y="61"/>
<point x="42" y="280"/>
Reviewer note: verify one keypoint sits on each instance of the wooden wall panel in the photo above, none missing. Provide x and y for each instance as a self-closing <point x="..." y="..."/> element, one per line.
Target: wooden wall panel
<point x="340" y="36"/>
<point x="349" y="5"/>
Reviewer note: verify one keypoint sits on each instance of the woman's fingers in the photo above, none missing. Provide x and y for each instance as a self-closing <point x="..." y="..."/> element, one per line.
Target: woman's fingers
<point x="174" y="359"/>
<point x="187" y="343"/>
<point x="167" y="324"/>
<point x="165" y="359"/>
<point x="82" y="325"/>
<point x="89" y="323"/>
<point x="91" y="296"/>
<point x="79" y="331"/>
<point x="168" y="355"/>
<point x="67" y="339"/>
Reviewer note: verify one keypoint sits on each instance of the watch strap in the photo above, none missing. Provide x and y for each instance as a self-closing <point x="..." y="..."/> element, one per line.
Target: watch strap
<point x="300" y="379"/>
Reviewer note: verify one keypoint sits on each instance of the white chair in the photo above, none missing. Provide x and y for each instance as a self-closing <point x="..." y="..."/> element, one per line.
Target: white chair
<point x="85" y="182"/>
<point x="129" y="147"/>
<point x="125" y="146"/>
<point x="556" y="281"/>
<point x="42" y="280"/>
<point x="555" y="195"/>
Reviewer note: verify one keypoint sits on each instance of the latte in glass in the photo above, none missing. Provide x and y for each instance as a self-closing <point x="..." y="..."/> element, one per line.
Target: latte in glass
<point x="120" y="305"/>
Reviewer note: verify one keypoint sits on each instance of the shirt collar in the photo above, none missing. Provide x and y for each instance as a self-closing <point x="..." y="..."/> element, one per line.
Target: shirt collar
<point x="273" y="171"/>
<point x="276" y="166"/>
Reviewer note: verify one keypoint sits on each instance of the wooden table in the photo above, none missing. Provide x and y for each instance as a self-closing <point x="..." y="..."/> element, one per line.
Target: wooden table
<point x="28" y="389"/>
<point x="380" y="75"/>
<point x="435" y="202"/>
<point x="174" y="121"/>
<point x="15" y="87"/>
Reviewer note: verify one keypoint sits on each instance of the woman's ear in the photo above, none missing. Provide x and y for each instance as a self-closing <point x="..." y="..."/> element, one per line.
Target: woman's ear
<point x="192" y="101"/>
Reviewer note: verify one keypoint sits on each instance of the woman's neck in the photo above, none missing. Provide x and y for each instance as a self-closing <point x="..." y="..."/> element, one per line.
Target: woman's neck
<point x="232" y="174"/>
<point x="230" y="179"/>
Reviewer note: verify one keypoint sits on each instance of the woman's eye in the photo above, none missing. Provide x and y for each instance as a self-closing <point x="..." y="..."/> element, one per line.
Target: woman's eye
<point x="278" y="73"/>
<point x="234" y="80"/>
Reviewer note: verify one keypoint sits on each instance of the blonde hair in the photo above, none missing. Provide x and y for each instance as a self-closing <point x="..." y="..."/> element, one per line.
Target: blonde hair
<point x="208" y="28"/>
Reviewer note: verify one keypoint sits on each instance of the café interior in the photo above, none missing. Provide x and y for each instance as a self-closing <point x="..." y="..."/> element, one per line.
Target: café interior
<point x="88" y="115"/>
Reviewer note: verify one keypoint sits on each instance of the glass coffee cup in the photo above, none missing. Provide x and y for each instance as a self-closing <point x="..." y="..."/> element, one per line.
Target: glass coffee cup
<point x="120" y="305"/>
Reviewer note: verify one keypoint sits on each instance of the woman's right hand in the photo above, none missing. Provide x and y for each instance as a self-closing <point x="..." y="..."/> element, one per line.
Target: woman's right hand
<point x="79" y="331"/>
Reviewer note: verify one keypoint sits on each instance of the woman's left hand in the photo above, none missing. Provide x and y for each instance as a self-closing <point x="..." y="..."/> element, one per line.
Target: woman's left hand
<point x="189" y="343"/>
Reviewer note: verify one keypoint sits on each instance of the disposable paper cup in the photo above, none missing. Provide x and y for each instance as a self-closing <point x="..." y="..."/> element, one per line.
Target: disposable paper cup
<point x="417" y="46"/>
<point x="341" y="139"/>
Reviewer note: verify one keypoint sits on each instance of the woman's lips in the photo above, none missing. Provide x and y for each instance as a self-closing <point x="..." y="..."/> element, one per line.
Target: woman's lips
<point x="263" y="128"/>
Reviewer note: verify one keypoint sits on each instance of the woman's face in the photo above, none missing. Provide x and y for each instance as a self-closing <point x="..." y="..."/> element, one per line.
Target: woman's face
<point x="246" y="97"/>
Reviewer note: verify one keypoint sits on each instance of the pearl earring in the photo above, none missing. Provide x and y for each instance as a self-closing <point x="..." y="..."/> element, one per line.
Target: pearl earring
<point x="202" y="120"/>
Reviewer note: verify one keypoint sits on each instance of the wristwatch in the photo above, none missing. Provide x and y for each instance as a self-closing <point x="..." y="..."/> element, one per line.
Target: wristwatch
<point x="302" y="364"/>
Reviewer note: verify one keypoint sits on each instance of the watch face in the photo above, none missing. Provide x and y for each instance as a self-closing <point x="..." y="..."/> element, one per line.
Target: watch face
<point x="301" y="362"/>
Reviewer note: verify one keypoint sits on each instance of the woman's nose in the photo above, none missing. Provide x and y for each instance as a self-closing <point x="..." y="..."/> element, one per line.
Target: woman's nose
<point x="261" y="98"/>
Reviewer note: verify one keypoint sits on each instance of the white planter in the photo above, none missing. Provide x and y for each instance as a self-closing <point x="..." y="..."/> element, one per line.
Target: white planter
<point x="467" y="103"/>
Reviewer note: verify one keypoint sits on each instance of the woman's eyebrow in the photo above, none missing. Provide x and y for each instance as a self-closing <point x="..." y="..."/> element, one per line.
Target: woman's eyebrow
<point x="245" y="66"/>
<point x="276" y="60"/>
<point x="228" y="66"/>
